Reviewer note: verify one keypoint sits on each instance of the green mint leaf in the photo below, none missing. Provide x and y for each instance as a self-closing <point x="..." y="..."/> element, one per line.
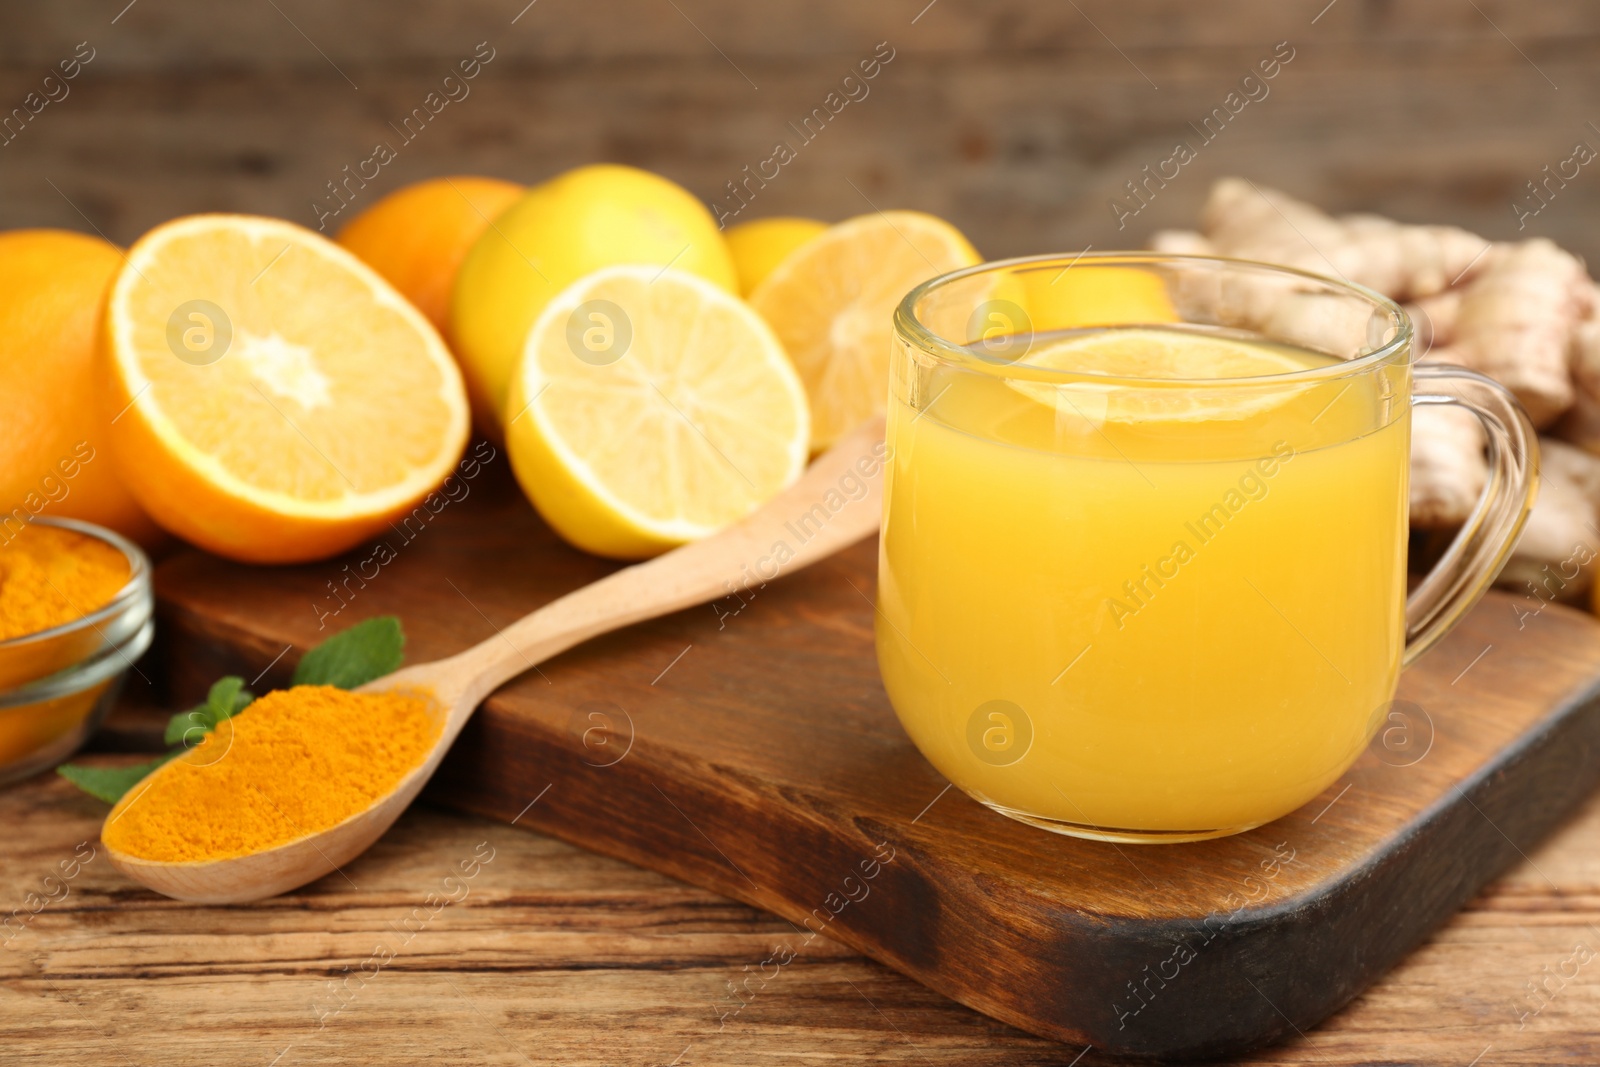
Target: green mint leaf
<point x="227" y="698"/>
<point x="356" y="656"/>
<point x="186" y="724"/>
<point x="109" y="783"/>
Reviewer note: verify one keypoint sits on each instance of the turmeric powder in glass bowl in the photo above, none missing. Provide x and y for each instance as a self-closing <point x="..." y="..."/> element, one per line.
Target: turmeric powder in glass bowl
<point x="75" y="612"/>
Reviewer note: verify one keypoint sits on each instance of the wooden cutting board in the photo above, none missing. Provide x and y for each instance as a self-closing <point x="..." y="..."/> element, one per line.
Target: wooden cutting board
<point x="748" y="747"/>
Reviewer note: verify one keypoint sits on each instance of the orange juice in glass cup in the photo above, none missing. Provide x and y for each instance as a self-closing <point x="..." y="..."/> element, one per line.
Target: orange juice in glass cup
<point x="1143" y="570"/>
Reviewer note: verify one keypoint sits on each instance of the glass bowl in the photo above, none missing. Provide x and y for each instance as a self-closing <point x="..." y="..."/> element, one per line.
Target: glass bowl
<point x="57" y="685"/>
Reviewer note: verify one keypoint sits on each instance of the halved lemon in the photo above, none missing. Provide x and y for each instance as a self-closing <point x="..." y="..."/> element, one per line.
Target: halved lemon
<point x="1151" y="356"/>
<point x="271" y="397"/>
<point x="652" y="408"/>
<point x="832" y="300"/>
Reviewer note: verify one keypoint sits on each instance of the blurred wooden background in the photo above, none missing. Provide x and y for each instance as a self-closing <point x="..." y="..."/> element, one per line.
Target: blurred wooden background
<point x="1017" y="120"/>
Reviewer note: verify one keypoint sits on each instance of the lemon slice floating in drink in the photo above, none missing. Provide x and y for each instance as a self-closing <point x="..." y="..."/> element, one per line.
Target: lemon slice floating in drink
<point x="652" y="408"/>
<point x="1155" y="356"/>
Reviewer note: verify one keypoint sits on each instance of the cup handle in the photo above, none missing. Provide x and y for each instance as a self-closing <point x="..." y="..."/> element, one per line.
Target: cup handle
<point x="1478" y="552"/>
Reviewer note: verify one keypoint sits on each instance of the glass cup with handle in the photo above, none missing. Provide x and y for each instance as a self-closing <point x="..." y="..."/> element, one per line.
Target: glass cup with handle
<point x="1143" y="572"/>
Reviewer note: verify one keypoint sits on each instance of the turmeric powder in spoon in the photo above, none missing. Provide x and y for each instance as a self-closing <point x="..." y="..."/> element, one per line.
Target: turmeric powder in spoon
<point x="295" y="762"/>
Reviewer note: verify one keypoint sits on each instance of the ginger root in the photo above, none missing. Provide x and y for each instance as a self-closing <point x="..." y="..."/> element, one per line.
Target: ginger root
<point x="1581" y="424"/>
<point x="1181" y="243"/>
<point x="1330" y="322"/>
<point x="1434" y="319"/>
<point x="1516" y="321"/>
<point x="1560" y="461"/>
<point x="1448" y="471"/>
<point x="1555" y="557"/>
<point x="1401" y="261"/>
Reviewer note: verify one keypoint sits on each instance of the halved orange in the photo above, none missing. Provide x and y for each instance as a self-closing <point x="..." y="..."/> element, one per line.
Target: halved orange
<point x="272" y="398"/>
<point x="832" y="300"/>
<point x="758" y="246"/>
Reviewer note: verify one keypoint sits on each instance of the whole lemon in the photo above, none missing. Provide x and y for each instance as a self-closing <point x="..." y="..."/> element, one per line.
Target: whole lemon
<point x="417" y="236"/>
<point x="1080" y="296"/>
<point x="576" y="223"/>
<point x="761" y="244"/>
<point x="53" y="455"/>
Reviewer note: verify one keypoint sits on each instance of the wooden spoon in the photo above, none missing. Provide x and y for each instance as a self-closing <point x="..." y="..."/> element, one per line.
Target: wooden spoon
<point x="800" y="518"/>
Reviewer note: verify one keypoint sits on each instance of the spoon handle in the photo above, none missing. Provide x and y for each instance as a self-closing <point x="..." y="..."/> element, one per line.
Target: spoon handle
<point x="838" y="501"/>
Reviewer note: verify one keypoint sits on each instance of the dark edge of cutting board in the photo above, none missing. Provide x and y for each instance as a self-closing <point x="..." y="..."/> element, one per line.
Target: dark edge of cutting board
<point x="972" y="905"/>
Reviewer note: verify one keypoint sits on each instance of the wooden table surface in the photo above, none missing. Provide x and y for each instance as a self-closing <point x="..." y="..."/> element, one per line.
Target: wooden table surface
<point x="549" y="954"/>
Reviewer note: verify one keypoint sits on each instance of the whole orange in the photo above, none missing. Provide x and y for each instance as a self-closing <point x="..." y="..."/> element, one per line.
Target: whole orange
<point x="416" y="237"/>
<point x="53" y="455"/>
